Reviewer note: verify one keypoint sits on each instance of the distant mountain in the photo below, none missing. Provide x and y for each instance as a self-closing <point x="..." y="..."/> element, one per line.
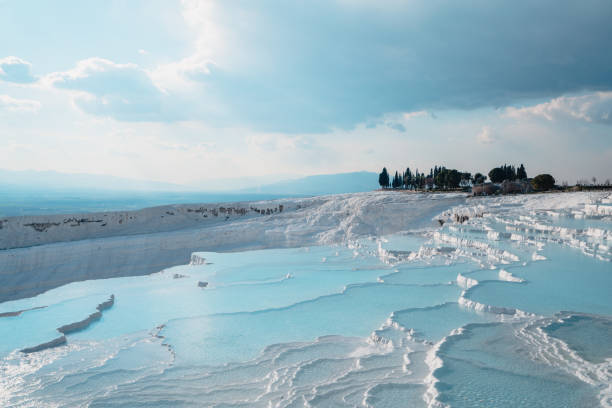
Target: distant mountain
<point x="49" y="192"/>
<point x="322" y="184"/>
<point x="53" y="180"/>
<point x="234" y="184"/>
<point x="47" y="181"/>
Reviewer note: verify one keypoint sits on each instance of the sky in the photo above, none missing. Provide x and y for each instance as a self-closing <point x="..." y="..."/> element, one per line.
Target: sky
<point x="192" y="91"/>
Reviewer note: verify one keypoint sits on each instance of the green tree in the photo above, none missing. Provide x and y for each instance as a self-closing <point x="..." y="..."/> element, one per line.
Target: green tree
<point x="543" y="182"/>
<point x="453" y="178"/>
<point x="396" y="181"/>
<point x="497" y="175"/>
<point x="479" y="178"/>
<point x="419" y="179"/>
<point x="383" y="178"/>
<point x="521" y="173"/>
<point x="440" y="178"/>
<point x="407" y="178"/>
<point x="447" y="178"/>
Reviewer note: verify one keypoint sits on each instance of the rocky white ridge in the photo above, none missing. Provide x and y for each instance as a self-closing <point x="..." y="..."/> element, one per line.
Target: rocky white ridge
<point x="42" y="252"/>
<point x="38" y="253"/>
<point x="508" y="276"/>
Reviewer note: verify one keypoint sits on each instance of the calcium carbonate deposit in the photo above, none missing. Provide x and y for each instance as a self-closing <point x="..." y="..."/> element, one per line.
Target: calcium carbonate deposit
<point x="364" y="300"/>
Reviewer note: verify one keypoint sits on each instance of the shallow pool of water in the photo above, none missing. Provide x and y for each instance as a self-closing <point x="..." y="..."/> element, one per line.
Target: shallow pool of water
<point x="485" y="313"/>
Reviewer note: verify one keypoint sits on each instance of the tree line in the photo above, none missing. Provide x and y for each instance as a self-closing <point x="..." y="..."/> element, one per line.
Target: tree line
<point x="505" y="172"/>
<point x="439" y="177"/>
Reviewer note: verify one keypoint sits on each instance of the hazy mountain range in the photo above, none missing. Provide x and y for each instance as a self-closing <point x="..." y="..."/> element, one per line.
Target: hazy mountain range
<point x="45" y="181"/>
<point x="49" y="192"/>
<point x="321" y="184"/>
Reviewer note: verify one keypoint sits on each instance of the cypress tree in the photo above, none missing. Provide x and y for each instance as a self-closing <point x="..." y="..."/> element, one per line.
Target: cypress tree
<point x="521" y="173"/>
<point x="407" y="178"/>
<point x="383" y="178"/>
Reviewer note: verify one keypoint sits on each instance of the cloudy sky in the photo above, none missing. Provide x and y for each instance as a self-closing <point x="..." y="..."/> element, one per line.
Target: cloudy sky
<point x="184" y="91"/>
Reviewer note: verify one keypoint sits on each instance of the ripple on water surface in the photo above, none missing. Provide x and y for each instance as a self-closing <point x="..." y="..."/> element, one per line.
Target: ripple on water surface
<point x="489" y="366"/>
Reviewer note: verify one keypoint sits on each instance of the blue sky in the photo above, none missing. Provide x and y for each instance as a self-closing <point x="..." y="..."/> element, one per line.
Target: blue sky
<point x="185" y="91"/>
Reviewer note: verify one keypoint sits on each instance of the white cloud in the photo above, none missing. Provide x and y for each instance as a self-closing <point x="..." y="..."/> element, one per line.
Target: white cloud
<point x="206" y="19"/>
<point x="486" y="135"/>
<point x="210" y="46"/>
<point x="99" y="75"/>
<point x="14" y="69"/>
<point x="274" y="142"/>
<point x="18" y="105"/>
<point x="412" y="115"/>
<point x="122" y="91"/>
<point x="595" y="107"/>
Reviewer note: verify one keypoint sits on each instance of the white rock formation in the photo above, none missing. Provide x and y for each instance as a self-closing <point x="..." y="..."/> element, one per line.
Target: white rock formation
<point x="42" y="252"/>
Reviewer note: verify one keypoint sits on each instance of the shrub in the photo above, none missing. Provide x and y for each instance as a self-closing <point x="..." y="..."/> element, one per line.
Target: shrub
<point x="543" y="182"/>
